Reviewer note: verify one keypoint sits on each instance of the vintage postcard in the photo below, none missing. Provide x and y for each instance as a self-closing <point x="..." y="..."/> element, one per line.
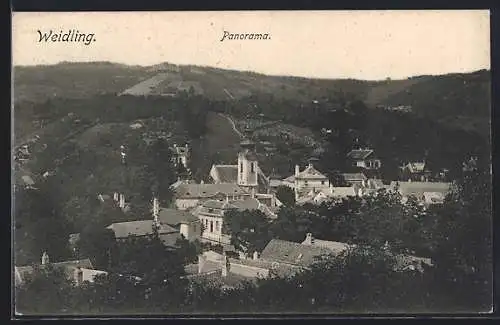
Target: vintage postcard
<point x="251" y="162"/>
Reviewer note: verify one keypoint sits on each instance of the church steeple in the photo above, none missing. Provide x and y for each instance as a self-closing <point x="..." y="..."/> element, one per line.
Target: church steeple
<point x="247" y="161"/>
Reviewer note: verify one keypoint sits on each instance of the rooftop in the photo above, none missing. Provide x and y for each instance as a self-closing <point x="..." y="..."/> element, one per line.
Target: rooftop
<point x="198" y="191"/>
<point x="352" y="177"/>
<point x="310" y="173"/>
<point x="226" y="173"/>
<point x="22" y="272"/>
<point x="419" y="188"/>
<point x="359" y="153"/>
<point x="175" y="217"/>
<point x="278" y="250"/>
<point x="138" y="228"/>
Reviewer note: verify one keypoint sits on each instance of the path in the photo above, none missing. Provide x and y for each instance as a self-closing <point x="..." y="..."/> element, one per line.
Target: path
<point x="233" y="125"/>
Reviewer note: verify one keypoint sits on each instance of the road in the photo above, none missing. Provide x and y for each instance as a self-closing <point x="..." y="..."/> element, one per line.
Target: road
<point x="233" y="125"/>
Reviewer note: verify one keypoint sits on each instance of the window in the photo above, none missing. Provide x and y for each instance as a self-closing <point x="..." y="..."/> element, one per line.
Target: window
<point x="241" y="167"/>
<point x="211" y="226"/>
<point x="305" y="183"/>
<point x="217" y="226"/>
<point x="252" y="167"/>
<point x="322" y="182"/>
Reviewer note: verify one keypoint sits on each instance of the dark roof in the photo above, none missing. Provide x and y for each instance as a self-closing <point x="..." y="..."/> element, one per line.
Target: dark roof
<point x="227" y="173"/>
<point x="138" y="228"/>
<point x="359" y="153"/>
<point x="196" y="191"/>
<point x="292" y="253"/>
<point x="175" y="217"/>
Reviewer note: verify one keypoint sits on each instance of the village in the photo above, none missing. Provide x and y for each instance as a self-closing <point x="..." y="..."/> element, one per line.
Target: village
<point x="198" y="209"/>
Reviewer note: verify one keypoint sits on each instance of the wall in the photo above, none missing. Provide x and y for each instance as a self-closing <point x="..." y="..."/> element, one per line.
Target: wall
<point x="183" y="204"/>
<point x="191" y="231"/>
<point x="316" y="184"/>
<point x="248" y="177"/>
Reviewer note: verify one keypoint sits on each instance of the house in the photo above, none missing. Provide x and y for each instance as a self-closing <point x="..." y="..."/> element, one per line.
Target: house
<point x="354" y="178"/>
<point x="415" y="171"/>
<point x="144" y="228"/>
<point x="187" y="224"/>
<point x="427" y="193"/>
<point x="332" y="194"/>
<point x="218" y="270"/>
<point x="190" y="195"/>
<point x="180" y="155"/>
<point x="304" y="254"/>
<point x="364" y="159"/>
<point x="78" y="271"/>
<point x="211" y="214"/>
<point x="302" y="182"/>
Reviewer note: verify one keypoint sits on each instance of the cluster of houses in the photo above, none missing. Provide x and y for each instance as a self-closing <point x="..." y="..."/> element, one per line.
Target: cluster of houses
<point x="198" y="214"/>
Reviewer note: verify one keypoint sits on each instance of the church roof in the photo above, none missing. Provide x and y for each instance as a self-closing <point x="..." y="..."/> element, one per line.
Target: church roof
<point x="226" y="173"/>
<point x="138" y="228"/>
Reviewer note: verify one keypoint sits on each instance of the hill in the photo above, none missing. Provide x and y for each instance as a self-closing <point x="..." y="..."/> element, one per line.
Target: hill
<point x="460" y="100"/>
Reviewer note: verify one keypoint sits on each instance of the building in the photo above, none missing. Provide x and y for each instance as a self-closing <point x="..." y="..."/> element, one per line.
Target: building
<point x="143" y="229"/>
<point x="187" y="224"/>
<point x="364" y="159"/>
<point x="180" y="155"/>
<point x="77" y="271"/>
<point x="211" y="214"/>
<point x="332" y="194"/>
<point x="246" y="173"/>
<point x="190" y="195"/>
<point x="415" y="171"/>
<point x="354" y="178"/>
<point x="427" y="193"/>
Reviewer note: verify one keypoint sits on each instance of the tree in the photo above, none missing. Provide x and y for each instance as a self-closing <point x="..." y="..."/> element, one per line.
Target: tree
<point x="39" y="227"/>
<point x="98" y="244"/>
<point x="464" y="261"/>
<point x="249" y="229"/>
<point x="46" y="291"/>
<point x="286" y="195"/>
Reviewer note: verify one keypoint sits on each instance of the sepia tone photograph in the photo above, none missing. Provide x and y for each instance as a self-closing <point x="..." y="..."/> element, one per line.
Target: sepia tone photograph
<point x="251" y="163"/>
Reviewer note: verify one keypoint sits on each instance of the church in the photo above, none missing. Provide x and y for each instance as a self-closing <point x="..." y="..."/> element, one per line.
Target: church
<point x="243" y="186"/>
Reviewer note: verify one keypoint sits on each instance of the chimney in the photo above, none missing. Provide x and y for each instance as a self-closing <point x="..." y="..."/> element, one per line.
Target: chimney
<point x="255" y="255"/>
<point x="116" y="197"/>
<point x="45" y="258"/>
<point x="309" y="239"/>
<point x="201" y="263"/>
<point x="297" y="170"/>
<point x="122" y="201"/>
<point x="253" y="192"/>
<point x="101" y="198"/>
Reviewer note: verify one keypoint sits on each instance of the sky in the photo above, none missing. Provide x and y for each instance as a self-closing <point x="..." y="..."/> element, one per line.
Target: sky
<point x="367" y="45"/>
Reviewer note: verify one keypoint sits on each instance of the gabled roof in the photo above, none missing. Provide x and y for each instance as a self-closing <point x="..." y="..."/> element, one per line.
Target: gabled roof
<point x="175" y="217"/>
<point x="292" y="253"/>
<point x="415" y="167"/>
<point x="138" y="228"/>
<point x="310" y="173"/>
<point x="335" y="247"/>
<point x="199" y="191"/>
<point x="359" y="153"/>
<point x="226" y="173"/>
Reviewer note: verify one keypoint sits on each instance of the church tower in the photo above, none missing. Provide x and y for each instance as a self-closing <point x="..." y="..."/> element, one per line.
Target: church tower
<point x="247" y="163"/>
